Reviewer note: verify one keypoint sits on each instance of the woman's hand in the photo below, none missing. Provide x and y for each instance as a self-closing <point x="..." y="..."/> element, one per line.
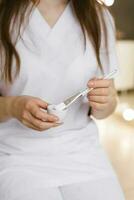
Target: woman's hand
<point x="28" y="110"/>
<point x="102" y="98"/>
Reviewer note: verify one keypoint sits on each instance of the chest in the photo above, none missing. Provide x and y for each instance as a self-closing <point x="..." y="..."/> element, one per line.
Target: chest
<point x="63" y="70"/>
<point x="53" y="61"/>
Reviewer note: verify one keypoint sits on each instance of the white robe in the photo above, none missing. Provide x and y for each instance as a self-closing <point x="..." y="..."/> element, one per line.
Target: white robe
<point x="55" y="65"/>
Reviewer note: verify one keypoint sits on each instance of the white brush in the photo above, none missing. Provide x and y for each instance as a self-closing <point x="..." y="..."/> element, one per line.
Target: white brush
<point x="65" y="104"/>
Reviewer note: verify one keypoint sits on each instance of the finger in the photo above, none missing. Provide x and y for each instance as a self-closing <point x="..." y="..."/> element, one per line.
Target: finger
<point x="99" y="92"/>
<point x="48" y="117"/>
<point x="39" y="114"/>
<point x="99" y="99"/>
<point x="51" y="118"/>
<point x="38" y="124"/>
<point x="29" y="125"/>
<point x="99" y="83"/>
<point x="41" y="103"/>
<point x="98" y="106"/>
<point x="48" y="125"/>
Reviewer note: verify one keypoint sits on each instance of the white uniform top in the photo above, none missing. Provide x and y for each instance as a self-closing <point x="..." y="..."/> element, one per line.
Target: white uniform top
<point x="55" y="65"/>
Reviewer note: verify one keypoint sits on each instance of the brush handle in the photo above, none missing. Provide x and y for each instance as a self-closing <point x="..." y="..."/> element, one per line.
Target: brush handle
<point x="110" y="75"/>
<point x="84" y="92"/>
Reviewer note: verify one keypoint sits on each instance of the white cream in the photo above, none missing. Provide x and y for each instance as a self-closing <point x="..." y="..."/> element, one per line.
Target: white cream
<point x="60" y="106"/>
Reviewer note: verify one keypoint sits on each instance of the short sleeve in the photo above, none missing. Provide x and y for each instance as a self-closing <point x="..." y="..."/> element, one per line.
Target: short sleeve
<point x="108" y="56"/>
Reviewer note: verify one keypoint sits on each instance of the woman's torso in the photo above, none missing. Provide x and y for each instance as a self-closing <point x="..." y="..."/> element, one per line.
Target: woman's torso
<point x="54" y="65"/>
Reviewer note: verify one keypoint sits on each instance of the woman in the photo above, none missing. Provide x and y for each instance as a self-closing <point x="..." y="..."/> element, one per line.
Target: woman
<point x="51" y="49"/>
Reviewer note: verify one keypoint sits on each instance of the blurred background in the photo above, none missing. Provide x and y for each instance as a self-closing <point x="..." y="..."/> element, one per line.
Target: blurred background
<point x="117" y="131"/>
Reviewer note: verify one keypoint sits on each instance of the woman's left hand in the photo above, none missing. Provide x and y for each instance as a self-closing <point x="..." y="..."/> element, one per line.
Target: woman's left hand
<point x="103" y="94"/>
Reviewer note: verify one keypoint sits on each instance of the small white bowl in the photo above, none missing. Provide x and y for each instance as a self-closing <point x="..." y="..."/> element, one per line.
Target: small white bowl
<point x="59" y="113"/>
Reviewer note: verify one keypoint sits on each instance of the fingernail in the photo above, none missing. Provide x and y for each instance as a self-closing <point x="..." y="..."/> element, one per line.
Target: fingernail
<point x="56" y="118"/>
<point x="91" y="83"/>
<point x="60" y="123"/>
<point x="57" y="124"/>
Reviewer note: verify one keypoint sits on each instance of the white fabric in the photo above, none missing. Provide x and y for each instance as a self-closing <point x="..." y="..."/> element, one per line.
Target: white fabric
<point x="103" y="189"/>
<point x="54" y="65"/>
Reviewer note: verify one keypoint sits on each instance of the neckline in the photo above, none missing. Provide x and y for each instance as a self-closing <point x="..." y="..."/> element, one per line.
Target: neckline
<point x="50" y="28"/>
<point x="55" y="36"/>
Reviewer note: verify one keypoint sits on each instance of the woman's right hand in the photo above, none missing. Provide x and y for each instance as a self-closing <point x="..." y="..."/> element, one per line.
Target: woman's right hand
<point x="28" y="110"/>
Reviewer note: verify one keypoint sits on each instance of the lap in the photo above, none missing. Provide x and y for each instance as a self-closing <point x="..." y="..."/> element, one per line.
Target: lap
<point x="52" y="193"/>
<point x="102" y="189"/>
<point x="19" y="191"/>
<point x="15" y="186"/>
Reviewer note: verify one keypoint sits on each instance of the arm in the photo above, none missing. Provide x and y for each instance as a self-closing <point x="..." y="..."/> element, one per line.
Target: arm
<point x="5" y="105"/>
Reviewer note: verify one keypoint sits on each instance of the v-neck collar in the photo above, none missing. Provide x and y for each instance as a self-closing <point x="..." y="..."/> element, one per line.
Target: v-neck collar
<point x="39" y="23"/>
<point x="66" y="24"/>
<point x="58" y="20"/>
